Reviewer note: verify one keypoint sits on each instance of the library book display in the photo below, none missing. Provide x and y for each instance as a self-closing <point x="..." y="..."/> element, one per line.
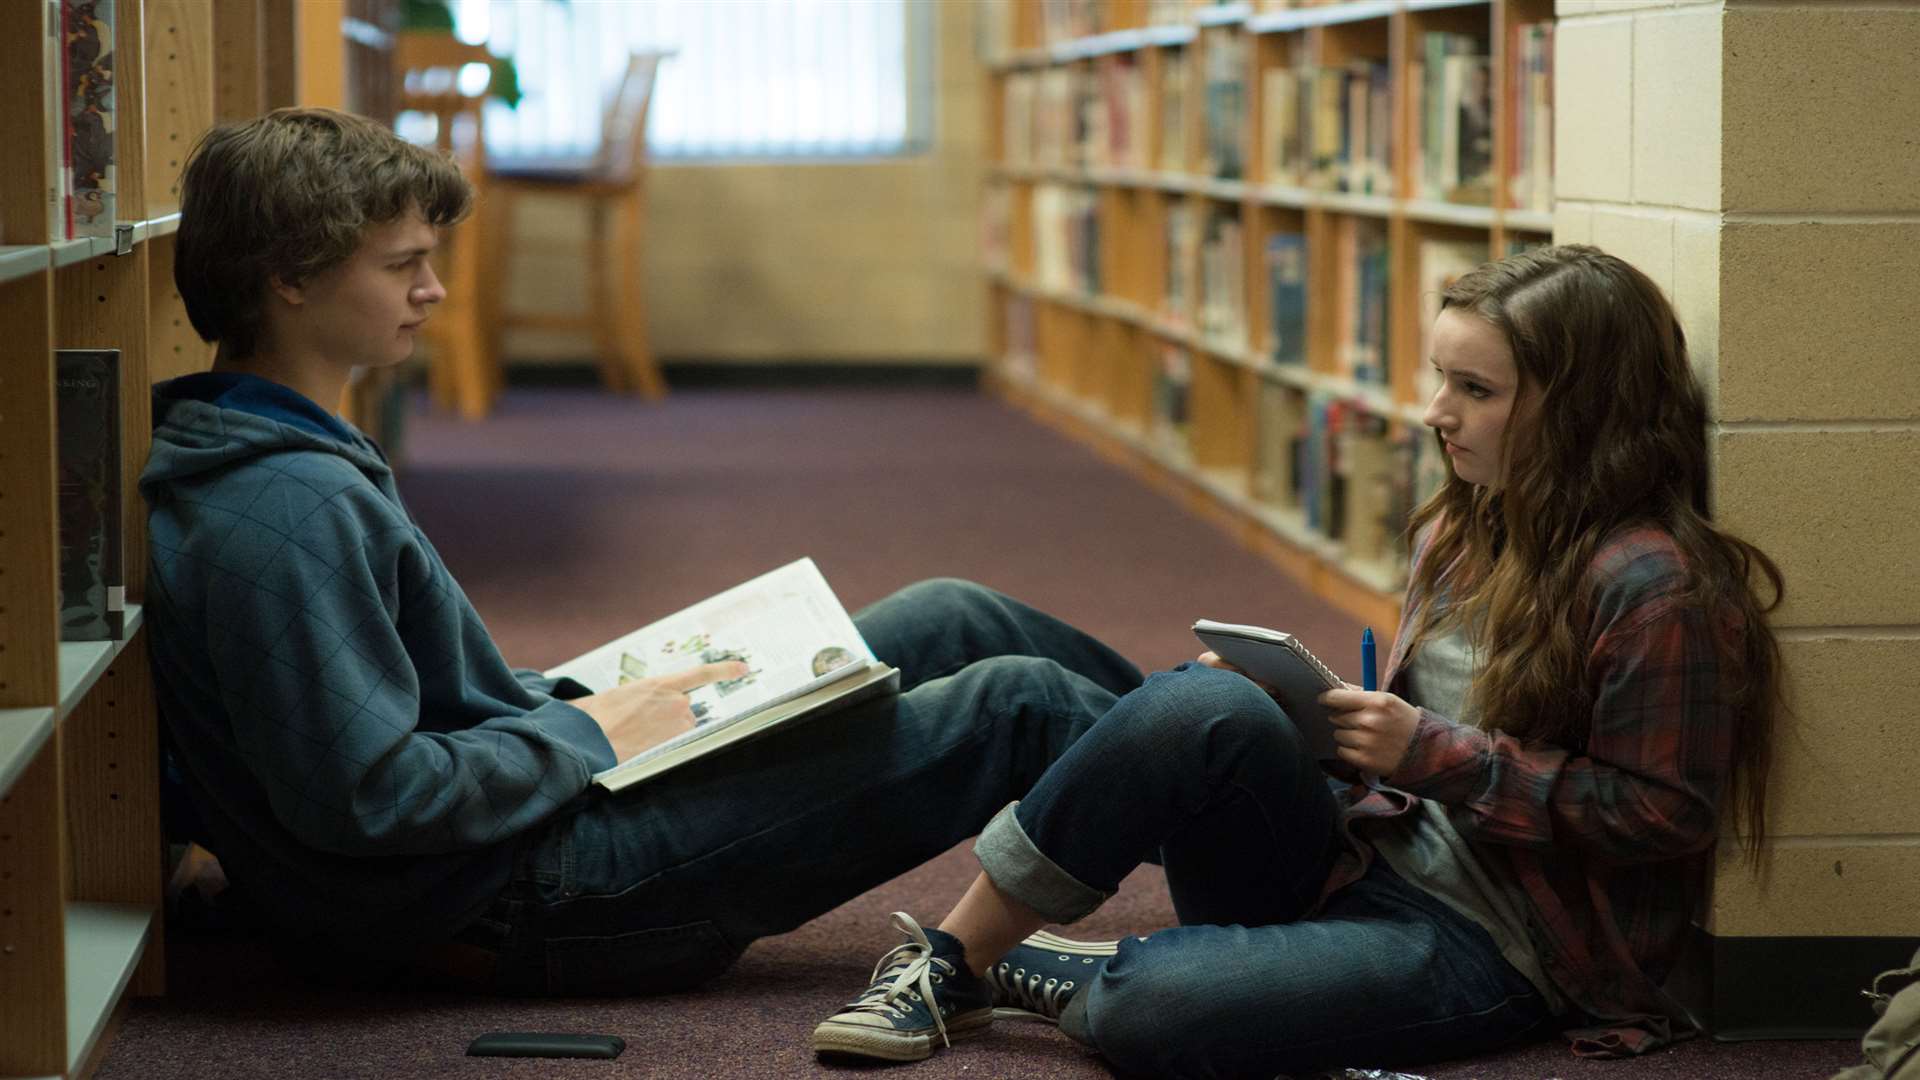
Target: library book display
<point x="1215" y="236"/>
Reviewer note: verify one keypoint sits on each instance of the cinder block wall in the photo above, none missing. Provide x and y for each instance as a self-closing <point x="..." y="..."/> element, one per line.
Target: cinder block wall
<point x="1762" y="163"/>
<point x="869" y="260"/>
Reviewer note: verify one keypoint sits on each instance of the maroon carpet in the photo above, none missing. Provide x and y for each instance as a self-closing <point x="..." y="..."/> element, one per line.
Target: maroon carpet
<point x="571" y="516"/>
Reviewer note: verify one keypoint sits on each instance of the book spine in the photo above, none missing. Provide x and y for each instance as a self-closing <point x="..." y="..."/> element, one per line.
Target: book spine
<point x="92" y="564"/>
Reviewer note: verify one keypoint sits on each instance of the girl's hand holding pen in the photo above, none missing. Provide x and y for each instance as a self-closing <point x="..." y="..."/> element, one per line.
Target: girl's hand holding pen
<point x="1374" y="728"/>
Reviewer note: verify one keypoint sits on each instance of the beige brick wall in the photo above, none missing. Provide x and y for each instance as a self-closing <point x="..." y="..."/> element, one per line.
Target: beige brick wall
<point x="1762" y="164"/>
<point x="865" y="261"/>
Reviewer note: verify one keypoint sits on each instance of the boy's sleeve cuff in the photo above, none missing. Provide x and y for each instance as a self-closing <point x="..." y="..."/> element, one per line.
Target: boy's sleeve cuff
<point x="1018" y="869"/>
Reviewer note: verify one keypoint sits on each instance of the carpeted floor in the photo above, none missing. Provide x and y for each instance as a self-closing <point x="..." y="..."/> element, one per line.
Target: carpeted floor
<point x="571" y="516"/>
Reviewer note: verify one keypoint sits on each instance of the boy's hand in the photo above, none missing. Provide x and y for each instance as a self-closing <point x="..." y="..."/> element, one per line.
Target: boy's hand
<point x="646" y="712"/>
<point x="1372" y="728"/>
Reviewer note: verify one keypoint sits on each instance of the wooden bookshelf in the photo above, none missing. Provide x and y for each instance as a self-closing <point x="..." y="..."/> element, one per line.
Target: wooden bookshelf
<point x="82" y="859"/>
<point x="1137" y="294"/>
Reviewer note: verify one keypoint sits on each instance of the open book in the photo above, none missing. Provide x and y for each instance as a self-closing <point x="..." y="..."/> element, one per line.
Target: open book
<point x="1297" y="677"/>
<point x="804" y="655"/>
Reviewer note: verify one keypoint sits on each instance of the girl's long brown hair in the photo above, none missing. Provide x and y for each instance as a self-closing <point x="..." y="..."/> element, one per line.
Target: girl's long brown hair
<point x="1612" y="435"/>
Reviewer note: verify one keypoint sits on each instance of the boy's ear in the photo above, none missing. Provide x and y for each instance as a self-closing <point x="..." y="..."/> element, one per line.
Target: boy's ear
<point x="292" y="294"/>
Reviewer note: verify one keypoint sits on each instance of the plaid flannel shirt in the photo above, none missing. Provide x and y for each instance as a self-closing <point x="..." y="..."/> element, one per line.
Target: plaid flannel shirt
<point x="1610" y="840"/>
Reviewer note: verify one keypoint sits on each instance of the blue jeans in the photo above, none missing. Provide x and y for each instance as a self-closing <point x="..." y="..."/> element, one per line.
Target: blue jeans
<point x="1205" y="769"/>
<point x="660" y="887"/>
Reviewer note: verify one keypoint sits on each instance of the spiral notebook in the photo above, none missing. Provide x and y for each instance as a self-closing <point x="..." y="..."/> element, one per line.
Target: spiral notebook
<point x="1297" y="677"/>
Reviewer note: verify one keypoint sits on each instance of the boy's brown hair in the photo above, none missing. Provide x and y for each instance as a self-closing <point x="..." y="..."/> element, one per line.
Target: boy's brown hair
<point x="288" y="195"/>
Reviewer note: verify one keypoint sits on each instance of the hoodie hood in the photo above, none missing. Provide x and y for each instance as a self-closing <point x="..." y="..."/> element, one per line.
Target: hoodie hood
<point x="192" y="437"/>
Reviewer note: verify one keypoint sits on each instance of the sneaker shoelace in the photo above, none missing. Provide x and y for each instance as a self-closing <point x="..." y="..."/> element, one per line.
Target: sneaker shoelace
<point x="918" y="971"/>
<point x="1044" y="995"/>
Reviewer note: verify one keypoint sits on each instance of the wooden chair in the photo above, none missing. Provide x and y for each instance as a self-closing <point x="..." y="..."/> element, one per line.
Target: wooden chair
<point x="463" y="374"/>
<point x="614" y="186"/>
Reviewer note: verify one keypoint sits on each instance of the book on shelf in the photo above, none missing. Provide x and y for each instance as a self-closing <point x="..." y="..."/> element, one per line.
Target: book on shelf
<point x="996" y="209"/>
<point x="1054" y="120"/>
<point x="92" y="532"/>
<point x="1090" y="132"/>
<point x="1124" y="94"/>
<point x="1278" y="660"/>
<point x="1020" y="343"/>
<point x="1286" y="262"/>
<point x="805" y="659"/>
<point x="1530" y="116"/>
<point x="1322" y="501"/>
<point x="1441" y="263"/>
<point x="1017" y="119"/>
<point x="1222" y="279"/>
<point x="1361" y="310"/>
<point x="1419" y="470"/>
<point x="87" y="120"/>
<point x="1172" y="155"/>
<point x="1367" y="158"/>
<point x="1365" y="460"/>
<point x="1224" y="124"/>
<point x="1279" y="424"/>
<point x="1183" y="257"/>
<point x="1283" y="125"/>
<point x="1172" y="387"/>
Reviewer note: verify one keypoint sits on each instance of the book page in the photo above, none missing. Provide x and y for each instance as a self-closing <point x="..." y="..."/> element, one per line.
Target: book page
<point x="786" y="625"/>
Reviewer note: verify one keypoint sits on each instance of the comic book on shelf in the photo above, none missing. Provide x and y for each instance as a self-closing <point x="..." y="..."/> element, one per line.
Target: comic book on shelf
<point x="87" y="120"/>
<point x="805" y="659"/>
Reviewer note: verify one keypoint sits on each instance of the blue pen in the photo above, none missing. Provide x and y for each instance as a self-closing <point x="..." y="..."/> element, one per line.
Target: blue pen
<point x="1369" y="678"/>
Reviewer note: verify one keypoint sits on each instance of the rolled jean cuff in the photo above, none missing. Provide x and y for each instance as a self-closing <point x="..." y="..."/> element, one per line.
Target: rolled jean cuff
<point x="1018" y="869"/>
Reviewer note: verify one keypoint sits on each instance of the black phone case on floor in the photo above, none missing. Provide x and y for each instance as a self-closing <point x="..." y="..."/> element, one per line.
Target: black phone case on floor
<point x="544" y="1044"/>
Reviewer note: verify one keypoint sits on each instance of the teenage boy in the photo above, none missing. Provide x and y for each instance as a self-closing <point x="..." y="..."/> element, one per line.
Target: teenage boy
<point x="378" y="784"/>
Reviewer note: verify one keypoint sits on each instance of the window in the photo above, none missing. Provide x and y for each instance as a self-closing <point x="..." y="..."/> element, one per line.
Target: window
<point x="748" y="78"/>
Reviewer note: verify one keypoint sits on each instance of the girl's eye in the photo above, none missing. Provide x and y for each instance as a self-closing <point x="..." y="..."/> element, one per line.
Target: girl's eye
<point x="1478" y="392"/>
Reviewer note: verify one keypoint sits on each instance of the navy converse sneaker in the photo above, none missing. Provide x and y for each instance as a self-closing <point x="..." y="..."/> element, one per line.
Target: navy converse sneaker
<point x="1039" y="976"/>
<point x="920" y="989"/>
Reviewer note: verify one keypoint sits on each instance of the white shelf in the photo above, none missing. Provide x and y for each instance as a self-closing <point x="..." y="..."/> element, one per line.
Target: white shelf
<point x="22" y="261"/>
<point x="22" y="733"/>
<point x="1446" y="213"/>
<point x="83" y="662"/>
<point x="69" y="252"/>
<point x="104" y="945"/>
<point x="1223" y="14"/>
<point x="1529" y="220"/>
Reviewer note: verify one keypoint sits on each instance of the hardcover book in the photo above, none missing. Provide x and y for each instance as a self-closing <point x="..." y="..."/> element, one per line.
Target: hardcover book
<point x="92" y="566"/>
<point x="805" y="659"/>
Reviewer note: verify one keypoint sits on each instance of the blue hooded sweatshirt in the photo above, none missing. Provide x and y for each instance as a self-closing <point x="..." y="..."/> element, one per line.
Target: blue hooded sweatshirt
<point x="365" y="764"/>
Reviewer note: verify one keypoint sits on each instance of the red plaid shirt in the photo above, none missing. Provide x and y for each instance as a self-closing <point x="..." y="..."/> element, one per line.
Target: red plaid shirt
<point x="1610" y="839"/>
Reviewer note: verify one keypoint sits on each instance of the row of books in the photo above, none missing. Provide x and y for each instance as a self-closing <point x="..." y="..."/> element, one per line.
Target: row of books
<point x="1326" y="128"/>
<point x="1076" y="116"/>
<point x="1062" y="21"/>
<point x="1353" y="476"/>
<point x="1066" y="238"/>
<point x="1205" y="286"/>
<point x="1452" y="104"/>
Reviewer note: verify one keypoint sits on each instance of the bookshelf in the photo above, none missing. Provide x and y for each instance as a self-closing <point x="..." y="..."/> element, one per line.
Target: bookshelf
<point x="1214" y="234"/>
<point x="82" y="859"/>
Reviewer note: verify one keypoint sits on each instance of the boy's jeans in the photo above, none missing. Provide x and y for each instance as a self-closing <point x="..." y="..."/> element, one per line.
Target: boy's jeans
<point x="660" y="887"/>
